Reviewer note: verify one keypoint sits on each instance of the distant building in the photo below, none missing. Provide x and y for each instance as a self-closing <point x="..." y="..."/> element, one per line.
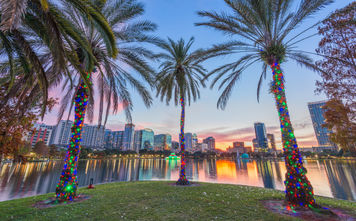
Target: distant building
<point x="108" y="139"/>
<point x="117" y="140"/>
<point x="210" y="141"/>
<point x="175" y="146"/>
<point x="163" y="142"/>
<point x="255" y="144"/>
<point x="202" y="147"/>
<point x="248" y="149"/>
<point x="194" y="141"/>
<point x="41" y="132"/>
<point x="144" y="139"/>
<point x="93" y="136"/>
<point x="188" y="137"/>
<point x="317" y="149"/>
<point x="261" y="136"/>
<point x="239" y="146"/>
<point x="316" y="113"/>
<point x="128" y="141"/>
<point x="63" y="133"/>
<point x="271" y="142"/>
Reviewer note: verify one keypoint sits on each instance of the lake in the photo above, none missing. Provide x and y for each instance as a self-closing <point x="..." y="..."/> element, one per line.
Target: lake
<point x="331" y="178"/>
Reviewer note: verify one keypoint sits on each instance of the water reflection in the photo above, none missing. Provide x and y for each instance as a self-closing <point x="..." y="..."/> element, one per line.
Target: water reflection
<point x="330" y="178"/>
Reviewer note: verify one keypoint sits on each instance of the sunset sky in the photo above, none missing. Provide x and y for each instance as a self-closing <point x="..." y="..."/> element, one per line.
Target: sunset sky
<point x="175" y="19"/>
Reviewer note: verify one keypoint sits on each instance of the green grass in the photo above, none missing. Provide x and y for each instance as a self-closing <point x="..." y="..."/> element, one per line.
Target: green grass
<point x="159" y="201"/>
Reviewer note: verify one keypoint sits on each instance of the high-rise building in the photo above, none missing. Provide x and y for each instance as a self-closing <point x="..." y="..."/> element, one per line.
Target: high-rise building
<point x="41" y="132"/>
<point x="129" y="133"/>
<point x="271" y="142"/>
<point x="108" y="139"/>
<point x="144" y="139"/>
<point x="163" y="142"/>
<point x="188" y="137"/>
<point x="93" y="136"/>
<point x="255" y="144"/>
<point x="117" y="140"/>
<point x="316" y="113"/>
<point x="63" y="133"/>
<point x="194" y="141"/>
<point x="211" y="143"/>
<point x="261" y="136"/>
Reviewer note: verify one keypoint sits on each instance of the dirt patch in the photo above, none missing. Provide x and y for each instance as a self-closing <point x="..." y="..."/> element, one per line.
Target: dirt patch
<point x="191" y="184"/>
<point x="51" y="202"/>
<point x="277" y="206"/>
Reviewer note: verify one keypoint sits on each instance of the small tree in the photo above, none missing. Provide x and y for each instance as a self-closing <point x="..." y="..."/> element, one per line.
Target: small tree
<point x="41" y="149"/>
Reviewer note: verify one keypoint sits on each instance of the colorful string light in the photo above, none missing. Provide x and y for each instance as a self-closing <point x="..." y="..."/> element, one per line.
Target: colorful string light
<point x="68" y="183"/>
<point x="299" y="192"/>
<point x="182" y="178"/>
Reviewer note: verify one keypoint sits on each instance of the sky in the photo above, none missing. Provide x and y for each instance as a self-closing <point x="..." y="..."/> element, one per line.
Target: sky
<point x="175" y="19"/>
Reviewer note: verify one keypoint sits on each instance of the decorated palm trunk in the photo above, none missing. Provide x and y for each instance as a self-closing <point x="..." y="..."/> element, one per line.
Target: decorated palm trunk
<point x="299" y="192"/>
<point x="182" y="178"/>
<point x="68" y="183"/>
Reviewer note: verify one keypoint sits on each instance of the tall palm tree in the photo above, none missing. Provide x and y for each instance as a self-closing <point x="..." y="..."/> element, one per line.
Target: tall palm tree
<point x="267" y="29"/>
<point x="180" y="76"/>
<point x="112" y="75"/>
<point x="25" y="21"/>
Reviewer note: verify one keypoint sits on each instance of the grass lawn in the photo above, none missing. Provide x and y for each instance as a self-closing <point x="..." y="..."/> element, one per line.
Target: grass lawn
<point x="159" y="201"/>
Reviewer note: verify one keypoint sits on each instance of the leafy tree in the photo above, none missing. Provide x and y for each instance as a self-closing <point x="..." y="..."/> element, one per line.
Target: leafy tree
<point x="180" y="76"/>
<point x="41" y="149"/>
<point x="338" y="121"/>
<point x="16" y="120"/>
<point x="268" y="34"/>
<point x="23" y="151"/>
<point x="338" y="49"/>
<point x="112" y="77"/>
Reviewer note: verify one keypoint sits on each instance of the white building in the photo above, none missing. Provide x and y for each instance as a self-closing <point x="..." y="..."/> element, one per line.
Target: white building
<point x="93" y="136"/>
<point x="62" y="133"/>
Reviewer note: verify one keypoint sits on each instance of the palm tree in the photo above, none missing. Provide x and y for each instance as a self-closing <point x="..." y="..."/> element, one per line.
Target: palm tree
<point x="112" y="75"/>
<point x="268" y="31"/>
<point x="180" y="76"/>
<point x="27" y="27"/>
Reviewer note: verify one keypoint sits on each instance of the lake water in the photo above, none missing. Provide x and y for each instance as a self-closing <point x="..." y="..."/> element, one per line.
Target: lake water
<point x="331" y="178"/>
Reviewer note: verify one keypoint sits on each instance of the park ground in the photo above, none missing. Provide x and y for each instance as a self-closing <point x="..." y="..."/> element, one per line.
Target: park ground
<point x="156" y="200"/>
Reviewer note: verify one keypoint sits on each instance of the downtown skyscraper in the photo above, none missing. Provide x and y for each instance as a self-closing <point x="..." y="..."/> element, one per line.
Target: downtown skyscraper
<point x="316" y="114"/>
<point x="261" y="135"/>
<point x="128" y="140"/>
<point x="163" y="142"/>
<point x="144" y="139"/>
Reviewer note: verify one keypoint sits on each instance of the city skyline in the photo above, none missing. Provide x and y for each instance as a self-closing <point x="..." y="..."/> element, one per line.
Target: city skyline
<point x="100" y="137"/>
<point x="236" y="122"/>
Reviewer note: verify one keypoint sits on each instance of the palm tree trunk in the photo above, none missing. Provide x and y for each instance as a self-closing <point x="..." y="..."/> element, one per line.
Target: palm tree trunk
<point x="182" y="178"/>
<point x="68" y="183"/>
<point x="299" y="191"/>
